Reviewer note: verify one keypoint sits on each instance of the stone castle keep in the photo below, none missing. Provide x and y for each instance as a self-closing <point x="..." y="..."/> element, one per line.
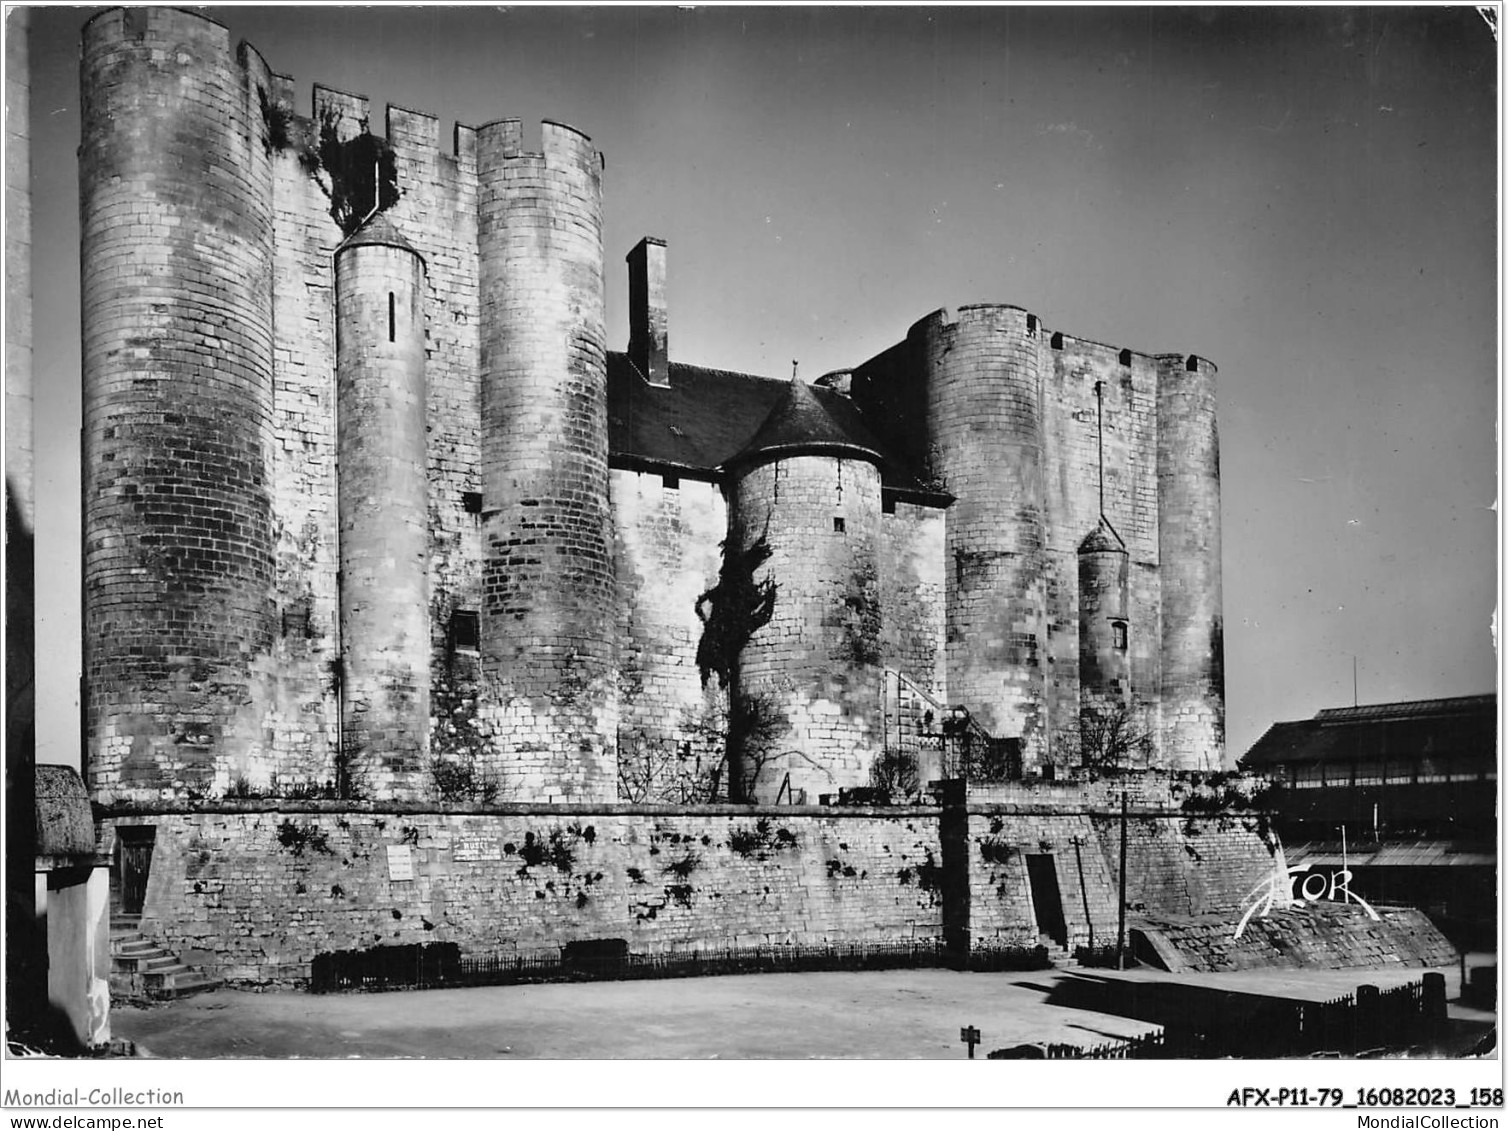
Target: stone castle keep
<point x="375" y="522"/>
<point x="361" y="470"/>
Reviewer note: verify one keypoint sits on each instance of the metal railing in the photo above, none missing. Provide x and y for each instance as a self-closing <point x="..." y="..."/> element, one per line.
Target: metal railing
<point x="441" y="965"/>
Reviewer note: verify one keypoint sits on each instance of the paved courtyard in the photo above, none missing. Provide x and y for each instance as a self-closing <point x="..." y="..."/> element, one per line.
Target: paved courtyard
<point x="891" y="1015"/>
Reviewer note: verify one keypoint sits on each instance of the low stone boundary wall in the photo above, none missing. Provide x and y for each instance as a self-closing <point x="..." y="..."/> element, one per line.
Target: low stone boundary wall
<point x="253" y="891"/>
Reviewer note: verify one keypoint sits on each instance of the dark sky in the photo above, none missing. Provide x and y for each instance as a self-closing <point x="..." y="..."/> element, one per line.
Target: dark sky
<point x="1307" y="197"/>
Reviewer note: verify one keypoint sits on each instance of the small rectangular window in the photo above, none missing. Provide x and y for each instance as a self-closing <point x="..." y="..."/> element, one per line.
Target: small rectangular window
<point x="392" y="317"/>
<point x="471" y="502"/>
<point x="671" y="482"/>
<point x="1310" y="775"/>
<point x="839" y="525"/>
<point x="465" y="631"/>
<point x="1119" y="627"/>
<point x="1057" y="340"/>
<point x="887" y="504"/>
<point x="296" y="620"/>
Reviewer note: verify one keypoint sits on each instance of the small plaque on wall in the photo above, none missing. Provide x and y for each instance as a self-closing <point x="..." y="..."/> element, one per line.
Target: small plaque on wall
<point x="400" y="862"/>
<point x="477" y="848"/>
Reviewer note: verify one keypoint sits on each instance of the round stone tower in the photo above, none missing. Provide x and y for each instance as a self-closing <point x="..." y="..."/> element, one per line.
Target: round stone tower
<point x="806" y="696"/>
<point x="175" y="192"/>
<point x="383" y="499"/>
<point x="1104" y="654"/>
<point x="547" y="622"/>
<point x="984" y="446"/>
<point x="1188" y="536"/>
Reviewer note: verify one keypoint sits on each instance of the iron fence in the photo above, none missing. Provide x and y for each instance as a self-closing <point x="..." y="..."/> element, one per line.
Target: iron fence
<point x="1148" y="1046"/>
<point x="440" y="965"/>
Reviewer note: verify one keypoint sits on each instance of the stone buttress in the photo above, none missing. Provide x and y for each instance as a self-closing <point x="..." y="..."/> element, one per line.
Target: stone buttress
<point x="1188" y="480"/>
<point x="547" y="624"/>
<point x="177" y="372"/>
<point x="983" y="386"/>
<point x="384" y="530"/>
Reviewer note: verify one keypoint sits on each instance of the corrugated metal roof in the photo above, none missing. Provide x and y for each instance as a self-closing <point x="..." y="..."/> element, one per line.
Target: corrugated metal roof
<point x="1411" y="854"/>
<point x="1460" y="705"/>
<point x="1406" y="731"/>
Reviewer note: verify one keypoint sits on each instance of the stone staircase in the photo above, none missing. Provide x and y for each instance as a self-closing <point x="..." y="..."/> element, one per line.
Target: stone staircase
<point x="1060" y="956"/>
<point x="139" y="968"/>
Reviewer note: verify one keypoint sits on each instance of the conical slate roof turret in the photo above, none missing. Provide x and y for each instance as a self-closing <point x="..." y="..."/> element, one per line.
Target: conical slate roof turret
<point x="800" y="424"/>
<point x="1102" y="540"/>
<point x="378" y="231"/>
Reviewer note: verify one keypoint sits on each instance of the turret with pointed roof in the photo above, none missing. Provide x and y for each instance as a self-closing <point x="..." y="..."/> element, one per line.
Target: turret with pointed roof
<point x="800" y="424"/>
<point x="805" y="497"/>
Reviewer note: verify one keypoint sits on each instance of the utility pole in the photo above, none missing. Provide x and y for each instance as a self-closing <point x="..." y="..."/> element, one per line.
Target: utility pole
<point x="1345" y="862"/>
<point x="1078" y="856"/>
<point x="1120" y="928"/>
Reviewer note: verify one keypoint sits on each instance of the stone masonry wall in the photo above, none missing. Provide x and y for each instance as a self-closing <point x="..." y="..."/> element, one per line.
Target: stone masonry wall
<point x="436" y="213"/>
<point x="1193" y="646"/>
<point x="384" y="518"/>
<point x="213" y="650"/>
<point x="817" y="665"/>
<point x="1324" y="936"/>
<point x="306" y="650"/>
<point x="18" y="344"/>
<point x="670" y="725"/>
<point x="548" y="597"/>
<point x="913" y="587"/>
<point x="176" y="225"/>
<point x="1071" y="427"/>
<point x="1179" y="860"/>
<point x="984" y="390"/>
<point x="252" y="893"/>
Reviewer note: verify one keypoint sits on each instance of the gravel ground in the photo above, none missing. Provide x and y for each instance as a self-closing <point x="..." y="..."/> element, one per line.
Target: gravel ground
<point x="890" y="1015"/>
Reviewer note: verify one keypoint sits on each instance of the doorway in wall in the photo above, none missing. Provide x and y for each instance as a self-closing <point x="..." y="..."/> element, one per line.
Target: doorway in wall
<point x="1042" y="872"/>
<point x="134" y="844"/>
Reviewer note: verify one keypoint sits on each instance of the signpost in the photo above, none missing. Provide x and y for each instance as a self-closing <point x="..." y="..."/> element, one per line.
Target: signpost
<point x="970" y="1036"/>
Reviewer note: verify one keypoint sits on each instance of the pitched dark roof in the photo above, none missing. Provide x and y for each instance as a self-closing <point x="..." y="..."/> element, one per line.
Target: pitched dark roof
<point x="800" y="424"/>
<point x="706" y="417"/>
<point x="1461" y="727"/>
<point x="379" y="231"/>
<point x="1102" y="539"/>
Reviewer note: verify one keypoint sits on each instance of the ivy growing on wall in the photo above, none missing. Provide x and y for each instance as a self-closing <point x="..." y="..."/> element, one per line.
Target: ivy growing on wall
<point x="734" y="609"/>
<point x="460" y="744"/>
<point x="731" y="612"/>
<point x="359" y="174"/>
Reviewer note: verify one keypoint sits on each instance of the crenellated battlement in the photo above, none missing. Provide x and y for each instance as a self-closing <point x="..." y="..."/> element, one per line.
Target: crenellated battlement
<point x="1097" y="353"/>
<point x="1188" y="363"/>
<point x="141" y="24"/>
<point x="404" y="127"/>
<point x="482" y="364"/>
<point x="411" y="128"/>
<point x="561" y="146"/>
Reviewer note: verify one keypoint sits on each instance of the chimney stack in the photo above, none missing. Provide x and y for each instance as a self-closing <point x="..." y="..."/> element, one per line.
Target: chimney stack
<point x="648" y="332"/>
